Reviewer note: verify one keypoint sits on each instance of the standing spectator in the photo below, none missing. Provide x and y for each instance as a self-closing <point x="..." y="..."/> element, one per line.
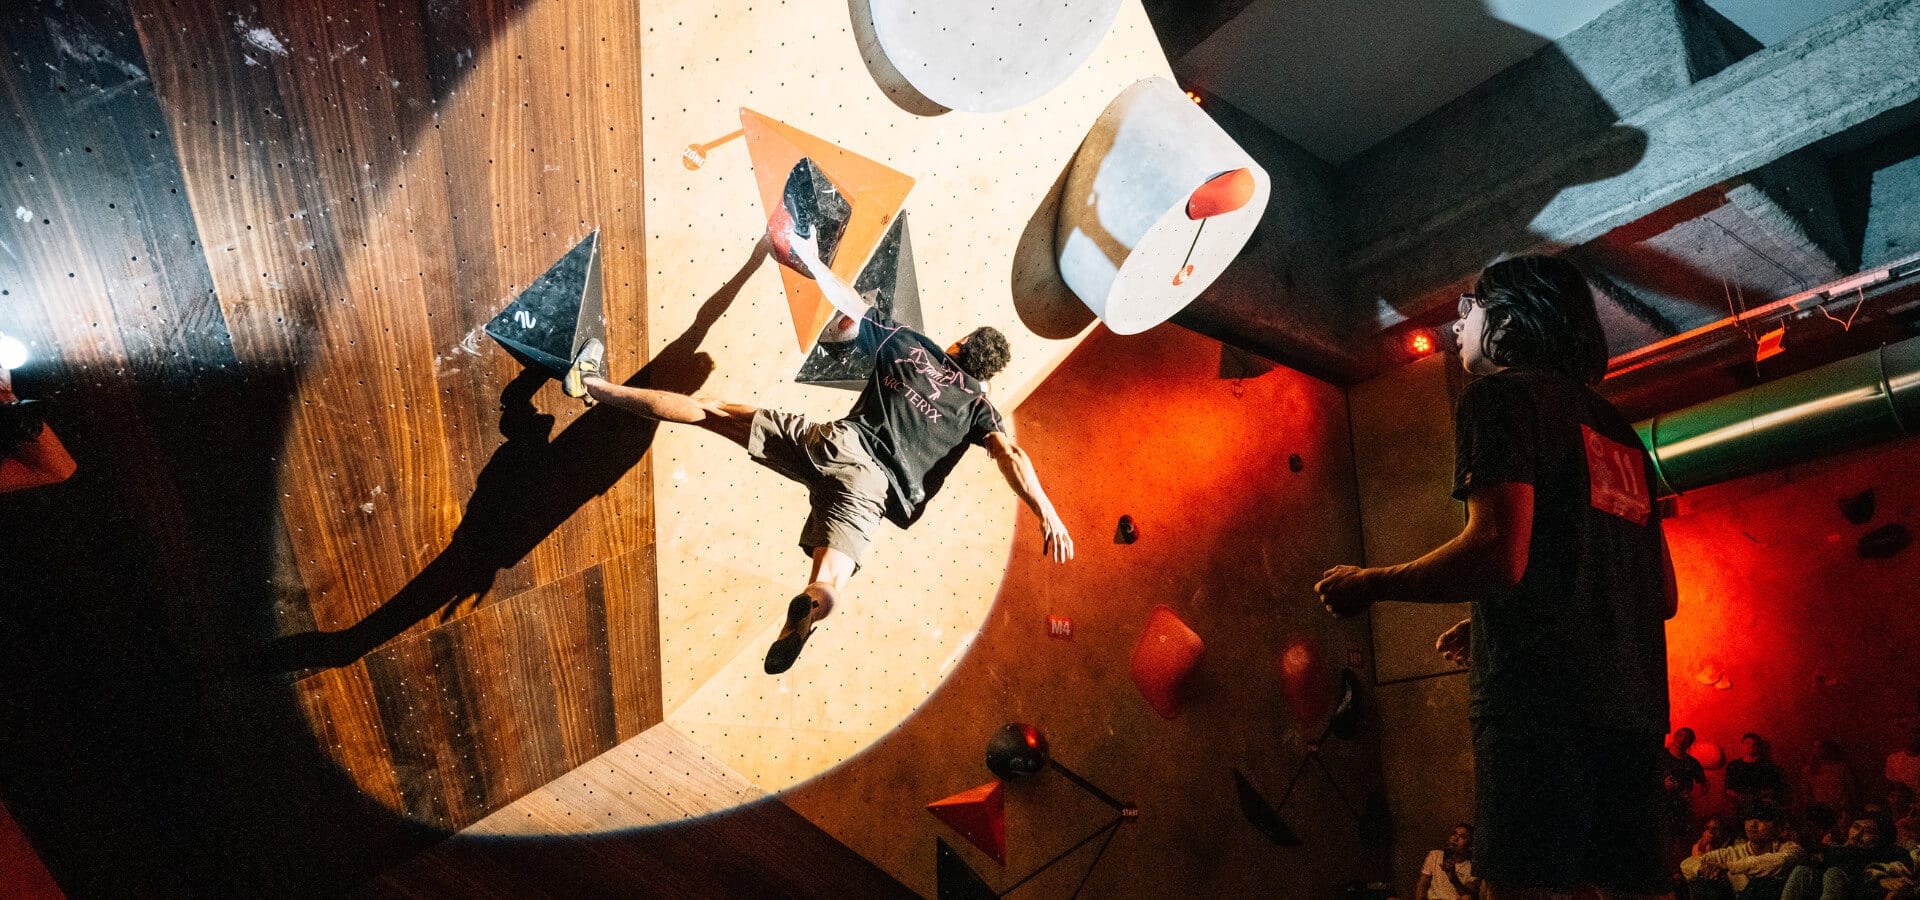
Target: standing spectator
<point x="1827" y="779"/>
<point x="1683" y="773"/>
<point x="30" y="455"/>
<point x="1903" y="766"/>
<point x="1754" y="868"/>
<point x="1753" y="779"/>
<point x="1566" y="565"/>
<point x="1681" y="777"/>
<point x="1448" y="874"/>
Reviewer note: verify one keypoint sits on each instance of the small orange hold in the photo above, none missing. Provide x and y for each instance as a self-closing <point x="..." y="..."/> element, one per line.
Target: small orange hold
<point x="1221" y="194"/>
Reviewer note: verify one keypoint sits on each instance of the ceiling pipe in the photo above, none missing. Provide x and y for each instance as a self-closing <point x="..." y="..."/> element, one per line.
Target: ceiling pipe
<point x="1855" y="402"/>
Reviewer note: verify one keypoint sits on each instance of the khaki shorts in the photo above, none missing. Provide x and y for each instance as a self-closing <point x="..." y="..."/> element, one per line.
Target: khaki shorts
<point x="846" y="488"/>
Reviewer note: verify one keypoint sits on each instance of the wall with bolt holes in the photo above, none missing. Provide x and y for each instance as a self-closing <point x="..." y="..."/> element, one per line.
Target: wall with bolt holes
<point x="719" y="322"/>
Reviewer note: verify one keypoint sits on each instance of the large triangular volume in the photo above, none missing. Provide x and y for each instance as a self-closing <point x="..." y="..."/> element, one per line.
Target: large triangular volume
<point x="875" y="192"/>
<point x="954" y="879"/>
<point x="558" y="313"/>
<point x="844" y="358"/>
<point x="979" y="815"/>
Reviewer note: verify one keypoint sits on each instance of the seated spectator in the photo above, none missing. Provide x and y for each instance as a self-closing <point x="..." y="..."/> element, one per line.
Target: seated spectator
<point x="1753" y="779"/>
<point x="1448" y="874"/>
<point x="1903" y="765"/>
<point x="1822" y="828"/>
<point x="1845" y="876"/>
<point x="1906" y="818"/>
<point x="1900" y="880"/>
<point x="1754" y="868"/>
<point x="30" y="455"/>
<point x="1827" y="779"/>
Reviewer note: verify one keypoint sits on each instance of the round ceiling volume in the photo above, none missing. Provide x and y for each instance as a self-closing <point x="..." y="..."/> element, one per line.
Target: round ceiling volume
<point x="989" y="58"/>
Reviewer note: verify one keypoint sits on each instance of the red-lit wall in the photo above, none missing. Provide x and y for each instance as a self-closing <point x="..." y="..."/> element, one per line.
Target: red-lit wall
<point x="1783" y="629"/>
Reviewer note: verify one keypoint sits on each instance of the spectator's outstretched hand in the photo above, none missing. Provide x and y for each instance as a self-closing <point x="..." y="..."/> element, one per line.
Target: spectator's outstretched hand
<point x="1346" y="590"/>
<point x="1455" y="643"/>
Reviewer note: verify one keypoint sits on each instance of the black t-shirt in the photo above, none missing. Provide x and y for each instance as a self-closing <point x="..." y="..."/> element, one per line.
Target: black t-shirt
<point x="917" y="414"/>
<point x="1751" y="778"/>
<point x="1582" y="638"/>
<point x="1685" y="772"/>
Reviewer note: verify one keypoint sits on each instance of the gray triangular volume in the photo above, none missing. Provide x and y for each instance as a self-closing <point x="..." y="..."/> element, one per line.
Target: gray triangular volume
<point x="816" y="206"/>
<point x="556" y="315"/>
<point x="889" y="283"/>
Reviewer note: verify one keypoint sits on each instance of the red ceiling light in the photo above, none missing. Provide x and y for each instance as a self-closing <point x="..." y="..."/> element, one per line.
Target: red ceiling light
<point x="1420" y="344"/>
<point x="1193" y="96"/>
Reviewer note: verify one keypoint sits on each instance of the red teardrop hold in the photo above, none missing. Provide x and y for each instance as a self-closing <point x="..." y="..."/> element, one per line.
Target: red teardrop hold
<point x="1166" y="652"/>
<point x="1223" y="193"/>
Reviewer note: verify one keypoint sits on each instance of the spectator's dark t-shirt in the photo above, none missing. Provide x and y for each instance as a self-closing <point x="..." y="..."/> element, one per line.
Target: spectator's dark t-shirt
<point x="917" y="414"/>
<point x="1582" y="638"/>
<point x="1685" y="771"/>
<point x="1750" y="778"/>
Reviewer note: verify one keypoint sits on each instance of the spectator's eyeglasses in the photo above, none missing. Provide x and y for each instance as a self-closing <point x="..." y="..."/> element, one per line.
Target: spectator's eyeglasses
<point x="1467" y="303"/>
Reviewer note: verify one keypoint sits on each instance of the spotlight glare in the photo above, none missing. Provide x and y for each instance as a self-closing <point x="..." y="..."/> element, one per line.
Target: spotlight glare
<point x="1421" y="344"/>
<point x="13" y="354"/>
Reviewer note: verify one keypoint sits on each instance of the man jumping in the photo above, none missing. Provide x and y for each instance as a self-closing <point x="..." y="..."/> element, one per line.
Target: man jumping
<point x="921" y="408"/>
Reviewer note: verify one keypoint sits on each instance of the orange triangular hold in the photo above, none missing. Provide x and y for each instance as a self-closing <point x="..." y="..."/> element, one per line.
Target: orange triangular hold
<point x="875" y="192"/>
<point x="979" y="816"/>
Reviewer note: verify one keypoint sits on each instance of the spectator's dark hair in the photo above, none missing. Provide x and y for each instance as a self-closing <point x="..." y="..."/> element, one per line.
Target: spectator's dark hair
<point x="1821" y="816"/>
<point x="1884" y="821"/>
<point x="984" y="353"/>
<point x="1754" y="736"/>
<point x="1899" y="787"/>
<point x="1540" y="315"/>
<point x="19" y="423"/>
<point x="1688" y="731"/>
<point x="1766" y="812"/>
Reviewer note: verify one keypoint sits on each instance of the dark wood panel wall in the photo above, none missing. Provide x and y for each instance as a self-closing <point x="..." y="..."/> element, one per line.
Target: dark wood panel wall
<point x="334" y="573"/>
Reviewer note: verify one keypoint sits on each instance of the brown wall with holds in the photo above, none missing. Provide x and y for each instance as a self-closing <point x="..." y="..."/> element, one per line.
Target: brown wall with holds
<point x="1232" y="541"/>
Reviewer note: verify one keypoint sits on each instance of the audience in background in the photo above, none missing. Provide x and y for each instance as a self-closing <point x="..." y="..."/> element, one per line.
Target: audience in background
<point x="1838" y="847"/>
<point x="1903" y="765"/>
<point x="1448" y="874"/>
<point x="1754" y="780"/>
<point x="1841" y="873"/>
<point x="1827" y="779"/>
<point x="1906" y="819"/>
<point x="1752" y="868"/>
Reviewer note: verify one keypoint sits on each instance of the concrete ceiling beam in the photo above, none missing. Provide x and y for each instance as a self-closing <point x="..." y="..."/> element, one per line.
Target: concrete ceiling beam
<point x="1831" y="77"/>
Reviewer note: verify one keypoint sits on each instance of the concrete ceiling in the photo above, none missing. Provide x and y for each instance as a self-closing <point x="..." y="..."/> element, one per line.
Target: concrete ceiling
<point x="1338" y="76"/>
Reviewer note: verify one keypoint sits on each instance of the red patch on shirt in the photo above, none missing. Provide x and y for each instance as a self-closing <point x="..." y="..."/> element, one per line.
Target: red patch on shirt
<point x="1618" y="477"/>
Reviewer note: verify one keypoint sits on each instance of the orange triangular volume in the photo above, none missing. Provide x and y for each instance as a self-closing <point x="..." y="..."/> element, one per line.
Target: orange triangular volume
<point x="979" y="816"/>
<point x="875" y="192"/>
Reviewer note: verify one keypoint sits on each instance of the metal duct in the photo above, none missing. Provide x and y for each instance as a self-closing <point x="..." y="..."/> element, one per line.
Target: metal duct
<point x="1856" y="402"/>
